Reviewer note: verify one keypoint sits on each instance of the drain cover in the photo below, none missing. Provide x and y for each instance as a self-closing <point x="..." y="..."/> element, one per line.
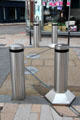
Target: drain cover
<point x="32" y="69"/>
<point x="33" y="56"/>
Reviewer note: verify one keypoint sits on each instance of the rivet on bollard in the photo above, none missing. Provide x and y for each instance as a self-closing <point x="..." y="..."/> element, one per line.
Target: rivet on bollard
<point x="54" y="33"/>
<point x="60" y="94"/>
<point x="17" y="71"/>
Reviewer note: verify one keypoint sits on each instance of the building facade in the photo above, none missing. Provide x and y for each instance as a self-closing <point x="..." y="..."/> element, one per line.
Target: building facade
<point x="12" y="11"/>
<point x="47" y="12"/>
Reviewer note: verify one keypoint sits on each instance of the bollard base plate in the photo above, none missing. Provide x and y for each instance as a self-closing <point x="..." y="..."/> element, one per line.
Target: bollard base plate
<point x="60" y="98"/>
<point x="52" y="46"/>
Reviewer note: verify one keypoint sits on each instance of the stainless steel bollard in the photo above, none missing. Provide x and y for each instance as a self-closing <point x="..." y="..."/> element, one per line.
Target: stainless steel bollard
<point x="17" y="71"/>
<point x="61" y="68"/>
<point x="39" y="31"/>
<point x="36" y="35"/>
<point x="60" y="94"/>
<point x="54" y="33"/>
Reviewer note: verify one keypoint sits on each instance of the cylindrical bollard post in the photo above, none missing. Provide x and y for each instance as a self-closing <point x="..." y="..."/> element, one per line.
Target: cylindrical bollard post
<point x="54" y="33"/>
<point x="36" y="35"/>
<point x="61" y="68"/>
<point x="39" y="31"/>
<point x="17" y="71"/>
<point x="60" y="94"/>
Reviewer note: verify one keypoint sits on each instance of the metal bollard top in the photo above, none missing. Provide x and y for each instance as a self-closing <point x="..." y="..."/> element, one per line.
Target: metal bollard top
<point x="16" y="48"/>
<point x="61" y="48"/>
<point x="54" y="24"/>
<point x="36" y="23"/>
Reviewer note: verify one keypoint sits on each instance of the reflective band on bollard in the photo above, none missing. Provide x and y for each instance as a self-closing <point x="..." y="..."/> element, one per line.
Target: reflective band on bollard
<point x="17" y="71"/>
<point x="36" y="35"/>
<point x="60" y="94"/>
<point x="54" y="33"/>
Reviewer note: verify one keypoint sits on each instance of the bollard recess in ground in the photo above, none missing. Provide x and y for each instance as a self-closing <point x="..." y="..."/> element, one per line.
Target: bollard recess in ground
<point x="17" y="71"/>
<point x="60" y="94"/>
<point x="54" y="33"/>
<point x="36" y="34"/>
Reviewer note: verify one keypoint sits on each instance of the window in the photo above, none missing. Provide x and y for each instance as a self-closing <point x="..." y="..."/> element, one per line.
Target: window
<point x="75" y="3"/>
<point x="11" y="13"/>
<point x="22" y="13"/>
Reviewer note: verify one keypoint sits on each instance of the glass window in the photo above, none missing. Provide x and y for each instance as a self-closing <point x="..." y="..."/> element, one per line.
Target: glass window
<point x="75" y="3"/>
<point x="22" y="13"/>
<point x="11" y="14"/>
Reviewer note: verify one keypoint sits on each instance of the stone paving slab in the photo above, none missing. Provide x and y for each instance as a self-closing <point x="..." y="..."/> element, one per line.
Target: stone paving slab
<point x="36" y="108"/>
<point x="4" y="64"/>
<point x="76" y="104"/>
<point x="64" y="111"/>
<point x="77" y="108"/>
<point x="34" y="116"/>
<point x="22" y="110"/>
<point x="8" y="111"/>
<point x="46" y="113"/>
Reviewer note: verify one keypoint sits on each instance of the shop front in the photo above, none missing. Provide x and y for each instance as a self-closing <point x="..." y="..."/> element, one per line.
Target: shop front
<point x="65" y="13"/>
<point x="12" y="11"/>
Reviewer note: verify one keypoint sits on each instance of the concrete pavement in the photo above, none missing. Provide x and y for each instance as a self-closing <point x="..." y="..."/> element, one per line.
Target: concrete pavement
<point x="38" y="108"/>
<point x="34" y="87"/>
<point x="4" y="64"/>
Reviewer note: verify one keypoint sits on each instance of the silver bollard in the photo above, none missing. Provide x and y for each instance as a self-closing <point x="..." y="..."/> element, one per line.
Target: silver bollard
<point x="17" y="71"/>
<point x="39" y="31"/>
<point x="36" y="35"/>
<point x="61" y="68"/>
<point x="54" y="33"/>
<point x="60" y="94"/>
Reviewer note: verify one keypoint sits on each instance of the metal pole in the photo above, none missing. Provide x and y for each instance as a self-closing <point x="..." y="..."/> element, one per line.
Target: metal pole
<point x="39" y="31"/>
<point x="17" y="71"/>
<point x="69" y="36"/>
<point x="60" y="94"/>
<point x="54" y="33"/>
<point x="30" y="36"/>
<point x="69" y="24"/>
<point x="36" y="36"/>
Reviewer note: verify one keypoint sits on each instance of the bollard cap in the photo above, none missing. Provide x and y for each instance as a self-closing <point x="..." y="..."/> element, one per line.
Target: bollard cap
<point x="36" y="23"/>
<point x="61" y="48"/>
<point x="16" y="48"/>
<point x="54" y="24"/>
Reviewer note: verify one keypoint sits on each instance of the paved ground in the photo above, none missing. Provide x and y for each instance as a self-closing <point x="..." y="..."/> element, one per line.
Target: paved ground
<point x="39" y="86"/>
<point x="4" y="64"/>
<point x="39" y="83"/>
<point x="36" y="108"/>
<point x="12" y="29"/>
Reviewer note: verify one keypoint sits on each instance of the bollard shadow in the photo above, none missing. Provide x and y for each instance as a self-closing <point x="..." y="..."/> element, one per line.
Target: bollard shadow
<point x="27" y="100"/>
<point x="76" y="105"/>
<point x="4" y="64"/>
<point x="41" y="89"/>
<point x="76" y="102"/>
